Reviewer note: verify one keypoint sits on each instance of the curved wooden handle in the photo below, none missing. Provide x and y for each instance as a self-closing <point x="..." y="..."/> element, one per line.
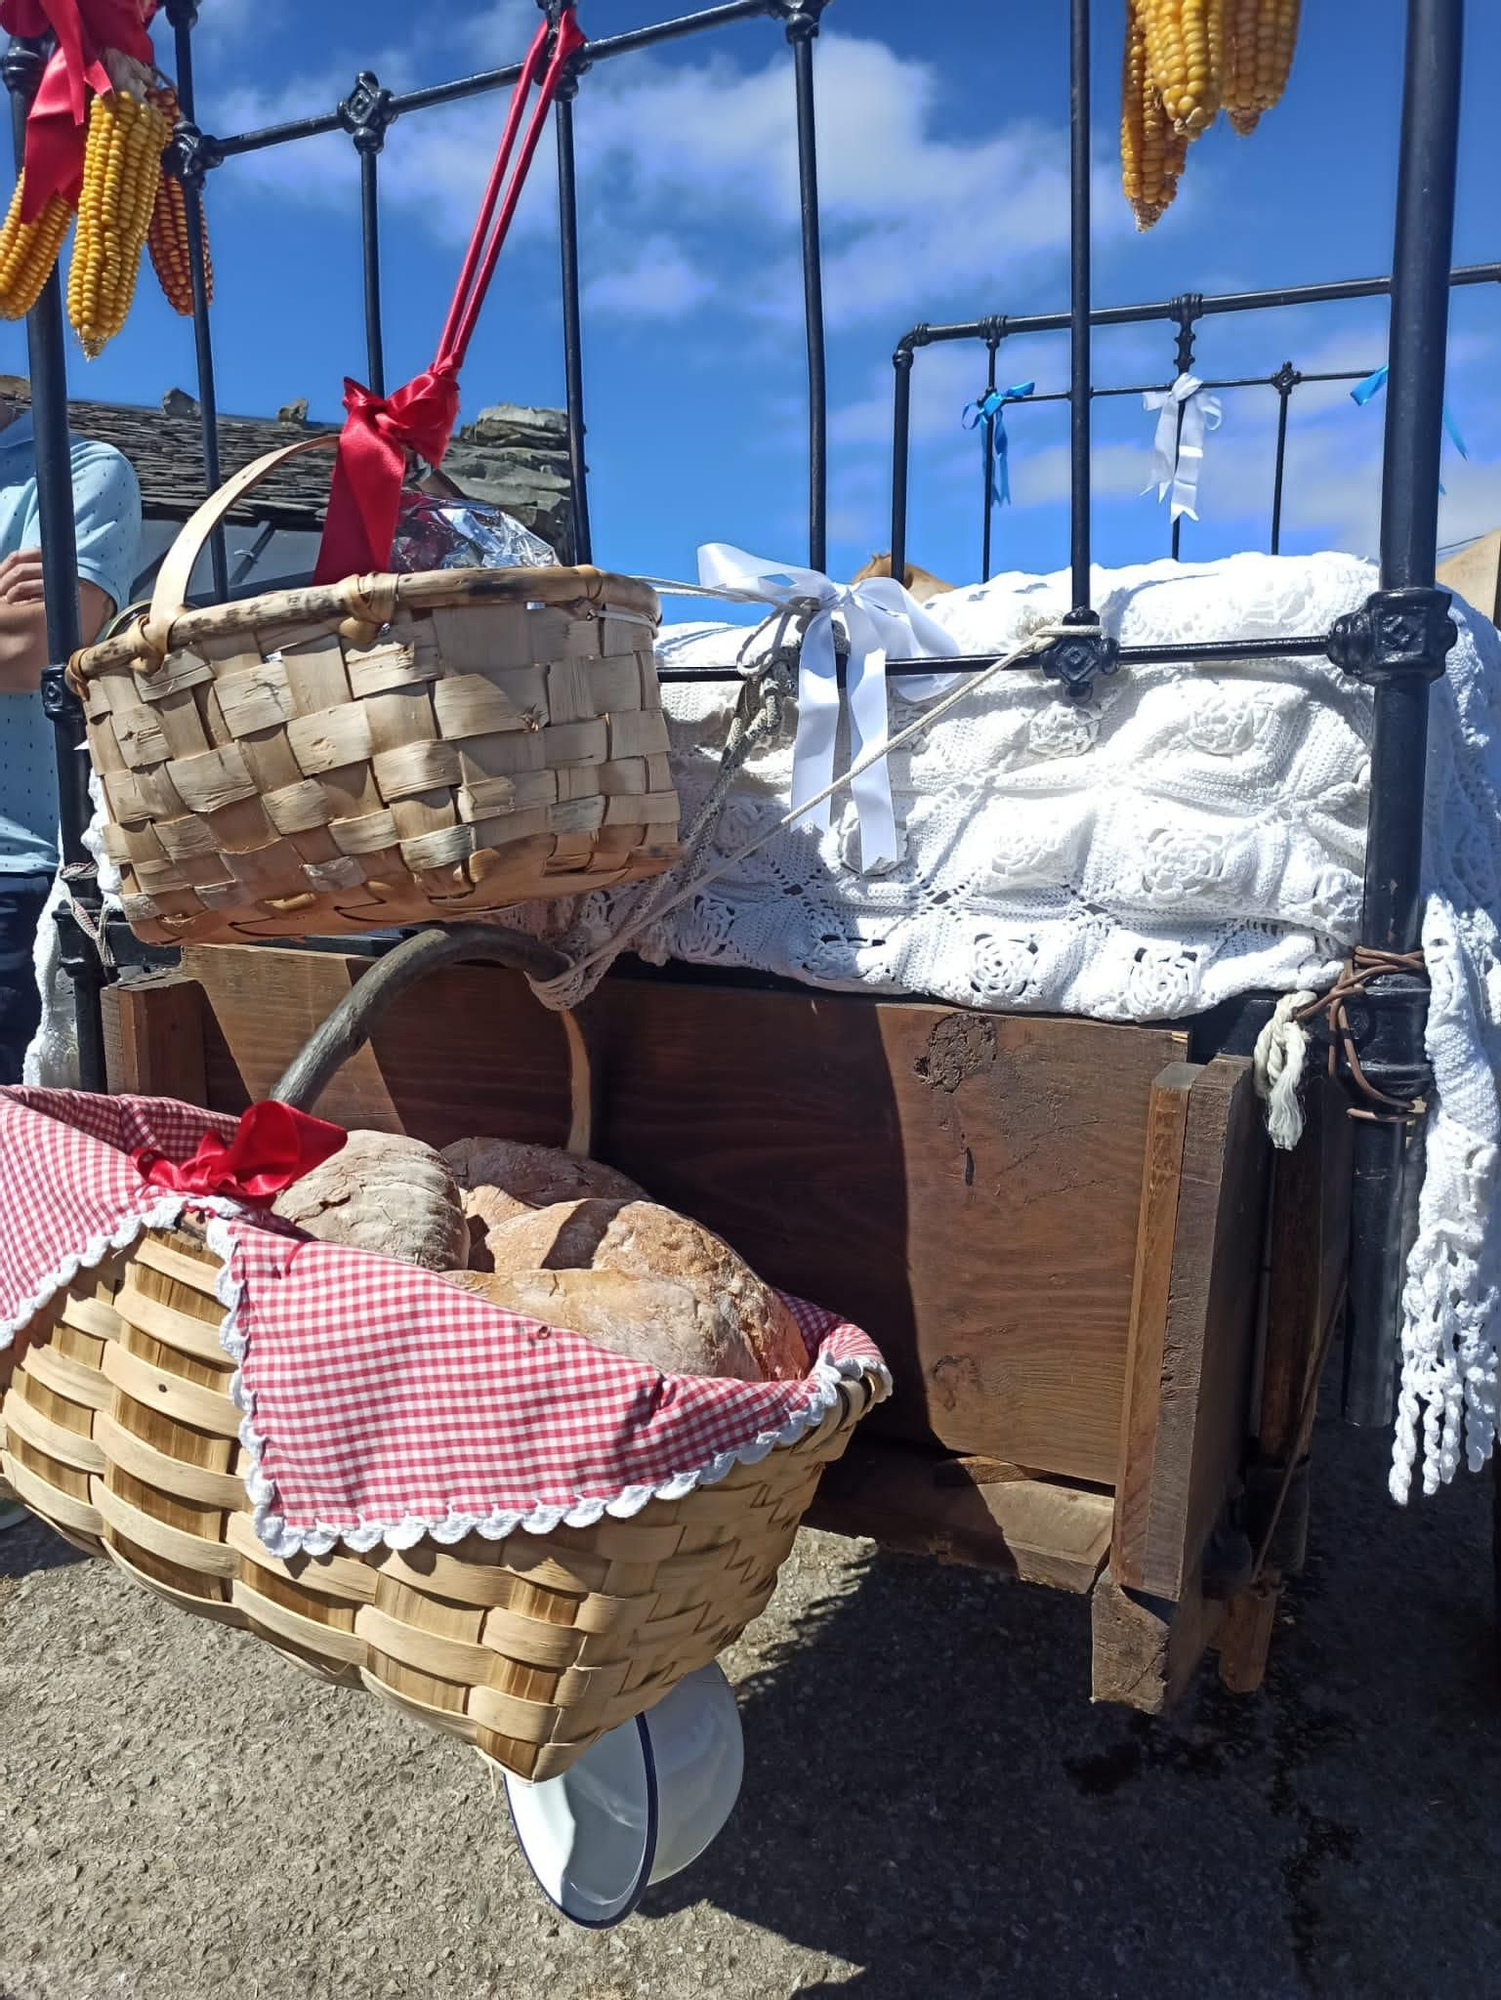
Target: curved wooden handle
<point x="169" y="598"/>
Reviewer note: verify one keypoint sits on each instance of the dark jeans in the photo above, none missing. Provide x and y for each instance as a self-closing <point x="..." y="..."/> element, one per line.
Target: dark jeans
<point x="20" y="1003"/>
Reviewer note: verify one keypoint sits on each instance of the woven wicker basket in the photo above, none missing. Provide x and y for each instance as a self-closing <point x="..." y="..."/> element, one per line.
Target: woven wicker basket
<point x="528" y="1648"/>
<point x="55" y="1394"/>
<point x="382" y="752"/>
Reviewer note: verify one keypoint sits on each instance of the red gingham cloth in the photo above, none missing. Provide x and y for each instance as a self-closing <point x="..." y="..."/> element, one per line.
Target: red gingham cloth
<point x="381" y="1402"/>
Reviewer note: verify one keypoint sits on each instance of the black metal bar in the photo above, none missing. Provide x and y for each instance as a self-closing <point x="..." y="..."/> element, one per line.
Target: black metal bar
<point x="499" y="79"/>
<point x="1411" y="634"/>
<point x="928" y="335"/>
<point x="48" y="366"/>
<point x="987" y="470"/>
<point x="1079" y="316"/>
<point x="1198" y="653"/>
<point x="1186" y="312"/>
<point x="1284" y="382"/>
<point x="573" y="348"/>
<point x="191" y="162"/>
<point x="365" y="115"/>
<point x="802" y="30"/>
<point x="901" y="444"/>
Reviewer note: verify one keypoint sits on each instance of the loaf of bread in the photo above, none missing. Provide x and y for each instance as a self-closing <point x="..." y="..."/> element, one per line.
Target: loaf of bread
<point x="639" y="1239"/>
<point x="656" y="1320"/>
<point x="382" y="1191"/>
<point x="500" y="1179"/>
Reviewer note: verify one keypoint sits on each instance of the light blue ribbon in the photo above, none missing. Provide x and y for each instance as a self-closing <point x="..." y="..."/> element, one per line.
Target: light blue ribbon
<point x="993" y="404"/>
<point x="1375" y="382"/>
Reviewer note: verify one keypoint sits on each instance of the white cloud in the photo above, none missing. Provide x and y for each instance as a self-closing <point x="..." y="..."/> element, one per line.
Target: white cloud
<point x="659" y="282"/>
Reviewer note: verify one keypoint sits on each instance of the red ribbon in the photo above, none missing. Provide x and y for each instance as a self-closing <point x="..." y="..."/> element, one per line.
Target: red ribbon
<point x="57" y="123"/>
<point x="379" y="431"/>
<point x="273" y="1146"/>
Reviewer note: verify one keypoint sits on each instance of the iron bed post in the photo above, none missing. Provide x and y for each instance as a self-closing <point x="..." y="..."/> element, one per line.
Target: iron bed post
<point x="901" y="443"/>
<point x="1186" y="312"/>
<point x="801" y="18"/>
<point x="1079" y="301"/>
<point x="365" y="115"/>
<point x="1398" y="643"/>
<point x="193" y="155"/>
<point x="48" y="365"/>
<point x="1284" y="382"/>
<point x="573" y="344"/>
<point x="992" y="344"/>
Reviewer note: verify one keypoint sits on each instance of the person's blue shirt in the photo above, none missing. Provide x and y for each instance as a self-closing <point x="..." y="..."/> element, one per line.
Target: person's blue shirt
<point x="107" y="525"/>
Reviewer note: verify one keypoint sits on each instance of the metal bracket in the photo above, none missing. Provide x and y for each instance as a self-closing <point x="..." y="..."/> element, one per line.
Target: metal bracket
<point x="1187" y="310"/>
<point x="21" y="66"/>
<point x="366" y="113"/>
<point x="181" y="13"/>
<point x="1386" y="1023"/>
<point x="1395" y="635"/>
<point x="799" y="17"/>
<point x="1286" y="379"/>
<point x="1075" y="662"/>
<point x="192" y="154"/>
<point x="59" y="703"/>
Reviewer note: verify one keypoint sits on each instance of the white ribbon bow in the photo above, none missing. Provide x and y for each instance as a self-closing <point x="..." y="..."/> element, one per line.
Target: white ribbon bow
<point x="1177" y="456"/>
<point x="882" y="620"/>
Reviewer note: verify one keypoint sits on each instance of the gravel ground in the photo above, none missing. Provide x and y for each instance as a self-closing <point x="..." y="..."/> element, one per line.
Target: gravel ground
<point x="932" y="1807"/>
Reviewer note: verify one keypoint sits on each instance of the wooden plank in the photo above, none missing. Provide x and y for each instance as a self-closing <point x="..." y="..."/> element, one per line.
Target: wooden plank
<point x="1157" y="1223"/>
<point x="1037" y="1530"/>
<point x="154" y="1036"/>
<point x="1208" y="1341"/>
<point x="964" y="1186"/>
<point x="467" y="1052"/>
<point x="1147" y="1650"/>
<point x="1475" y="573"/>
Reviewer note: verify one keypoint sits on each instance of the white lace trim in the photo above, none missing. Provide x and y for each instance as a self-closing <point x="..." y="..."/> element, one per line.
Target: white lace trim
<point x="270" y="1526"/>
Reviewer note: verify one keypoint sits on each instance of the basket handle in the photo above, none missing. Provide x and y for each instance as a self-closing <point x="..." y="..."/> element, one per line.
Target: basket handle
<point x="169" y="598"/>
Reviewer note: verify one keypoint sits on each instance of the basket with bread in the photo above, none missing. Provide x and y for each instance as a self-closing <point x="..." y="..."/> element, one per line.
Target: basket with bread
<point x="486" y="1431"/>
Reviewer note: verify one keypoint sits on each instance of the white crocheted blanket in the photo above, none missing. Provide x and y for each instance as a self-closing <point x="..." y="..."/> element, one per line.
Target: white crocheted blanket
<point x="1187" y="836"/>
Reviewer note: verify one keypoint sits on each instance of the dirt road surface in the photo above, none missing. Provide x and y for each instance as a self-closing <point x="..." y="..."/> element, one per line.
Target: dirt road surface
<point x="932" y="1810"/>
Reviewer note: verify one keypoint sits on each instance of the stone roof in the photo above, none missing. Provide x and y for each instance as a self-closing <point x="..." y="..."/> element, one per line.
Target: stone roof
<point x="515" y="457"/>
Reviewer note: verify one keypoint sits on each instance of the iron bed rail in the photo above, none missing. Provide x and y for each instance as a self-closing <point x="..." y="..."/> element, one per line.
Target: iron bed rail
<point x="1397" y="644"/>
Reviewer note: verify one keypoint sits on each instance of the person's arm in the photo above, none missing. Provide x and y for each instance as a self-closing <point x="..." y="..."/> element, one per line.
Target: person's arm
<point x="23" y="620"/>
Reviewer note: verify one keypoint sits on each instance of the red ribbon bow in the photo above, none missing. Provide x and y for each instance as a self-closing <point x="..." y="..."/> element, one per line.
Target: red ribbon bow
<point x="379" y="431"/>
<point x="57" y="123"/>
<point x="273" y="1146"/>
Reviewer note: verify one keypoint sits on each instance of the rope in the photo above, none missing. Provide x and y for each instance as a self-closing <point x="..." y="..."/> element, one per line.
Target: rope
<point x="570" y="987"/>
<point x="1282" y="1047"/>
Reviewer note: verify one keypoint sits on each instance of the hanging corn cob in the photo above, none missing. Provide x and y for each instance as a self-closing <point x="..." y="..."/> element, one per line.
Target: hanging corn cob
<point x="121" y="175"/>
<point x="28" y="251"/>
<point x="1152" y="153"/>
<point x="167" y="239"/>
<point x="1260" y="35"/>
<point x="1185" y="49"/>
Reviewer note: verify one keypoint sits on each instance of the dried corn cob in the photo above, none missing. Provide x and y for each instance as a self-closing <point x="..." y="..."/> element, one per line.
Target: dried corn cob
<point x="121" y="174"/>
<point x="1185" y="44"/>
<point x="167" y="239"/>
<point x="1240" y="64"/>
<point x="28" y="251"/>
<point x="1276" y="34"/>
<point x="1152" y="153"/>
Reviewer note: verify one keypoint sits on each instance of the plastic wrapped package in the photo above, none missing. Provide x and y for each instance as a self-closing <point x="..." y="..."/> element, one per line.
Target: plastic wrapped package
<point x="434" y="531"/>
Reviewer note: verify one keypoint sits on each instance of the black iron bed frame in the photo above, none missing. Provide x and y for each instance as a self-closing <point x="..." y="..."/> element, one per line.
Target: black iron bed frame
<point x="1396" y="643"/>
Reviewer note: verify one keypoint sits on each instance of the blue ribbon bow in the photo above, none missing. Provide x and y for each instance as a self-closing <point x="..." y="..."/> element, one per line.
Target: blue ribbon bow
<point x="1375" y="382"/>
<point x="992" y="405"/>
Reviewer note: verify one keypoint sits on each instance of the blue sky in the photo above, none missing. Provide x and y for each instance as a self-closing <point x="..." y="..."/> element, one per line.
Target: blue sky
<point x="944" y="163"/>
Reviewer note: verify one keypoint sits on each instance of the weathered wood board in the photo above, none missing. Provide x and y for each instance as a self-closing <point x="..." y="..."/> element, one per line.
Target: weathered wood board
<point x="966" y="1186"/>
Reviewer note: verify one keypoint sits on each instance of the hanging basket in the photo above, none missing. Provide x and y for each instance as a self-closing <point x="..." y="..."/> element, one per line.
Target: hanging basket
<point x="385" y="751"/>
<point x="527" y="1641"/>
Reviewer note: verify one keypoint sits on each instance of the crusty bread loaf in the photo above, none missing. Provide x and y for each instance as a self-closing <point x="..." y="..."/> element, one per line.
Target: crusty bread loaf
<point x="382" y="1191"/>
<point x="643" y="1240"/>
<point x="656" y="1320"/>
<point x="503" y="1178"/>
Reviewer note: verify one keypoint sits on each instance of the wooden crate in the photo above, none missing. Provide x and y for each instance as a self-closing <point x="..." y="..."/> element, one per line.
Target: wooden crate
<point x="1069" y="1241"/>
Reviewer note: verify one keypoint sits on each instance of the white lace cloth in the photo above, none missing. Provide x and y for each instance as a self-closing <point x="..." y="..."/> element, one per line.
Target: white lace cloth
<point x="1187" y="836"/>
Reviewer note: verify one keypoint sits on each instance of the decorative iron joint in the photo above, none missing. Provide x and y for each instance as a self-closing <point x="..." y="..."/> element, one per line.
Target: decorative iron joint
<point x="1186" y="310"/>
<point x="1286" y="379"/>
<point x="1396" y="635"/>
<point x="22" y="66"/>
<point x="181" y="13"/>
<point x="1378" y="1047"/>
<point x="907" y="346"/>
<point x="59" y="703"/>
<point x="366" y="113"/>
<point x="800" y="18"/>
<point x="1075" y="662"/>
<point x="191" y="155"/>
